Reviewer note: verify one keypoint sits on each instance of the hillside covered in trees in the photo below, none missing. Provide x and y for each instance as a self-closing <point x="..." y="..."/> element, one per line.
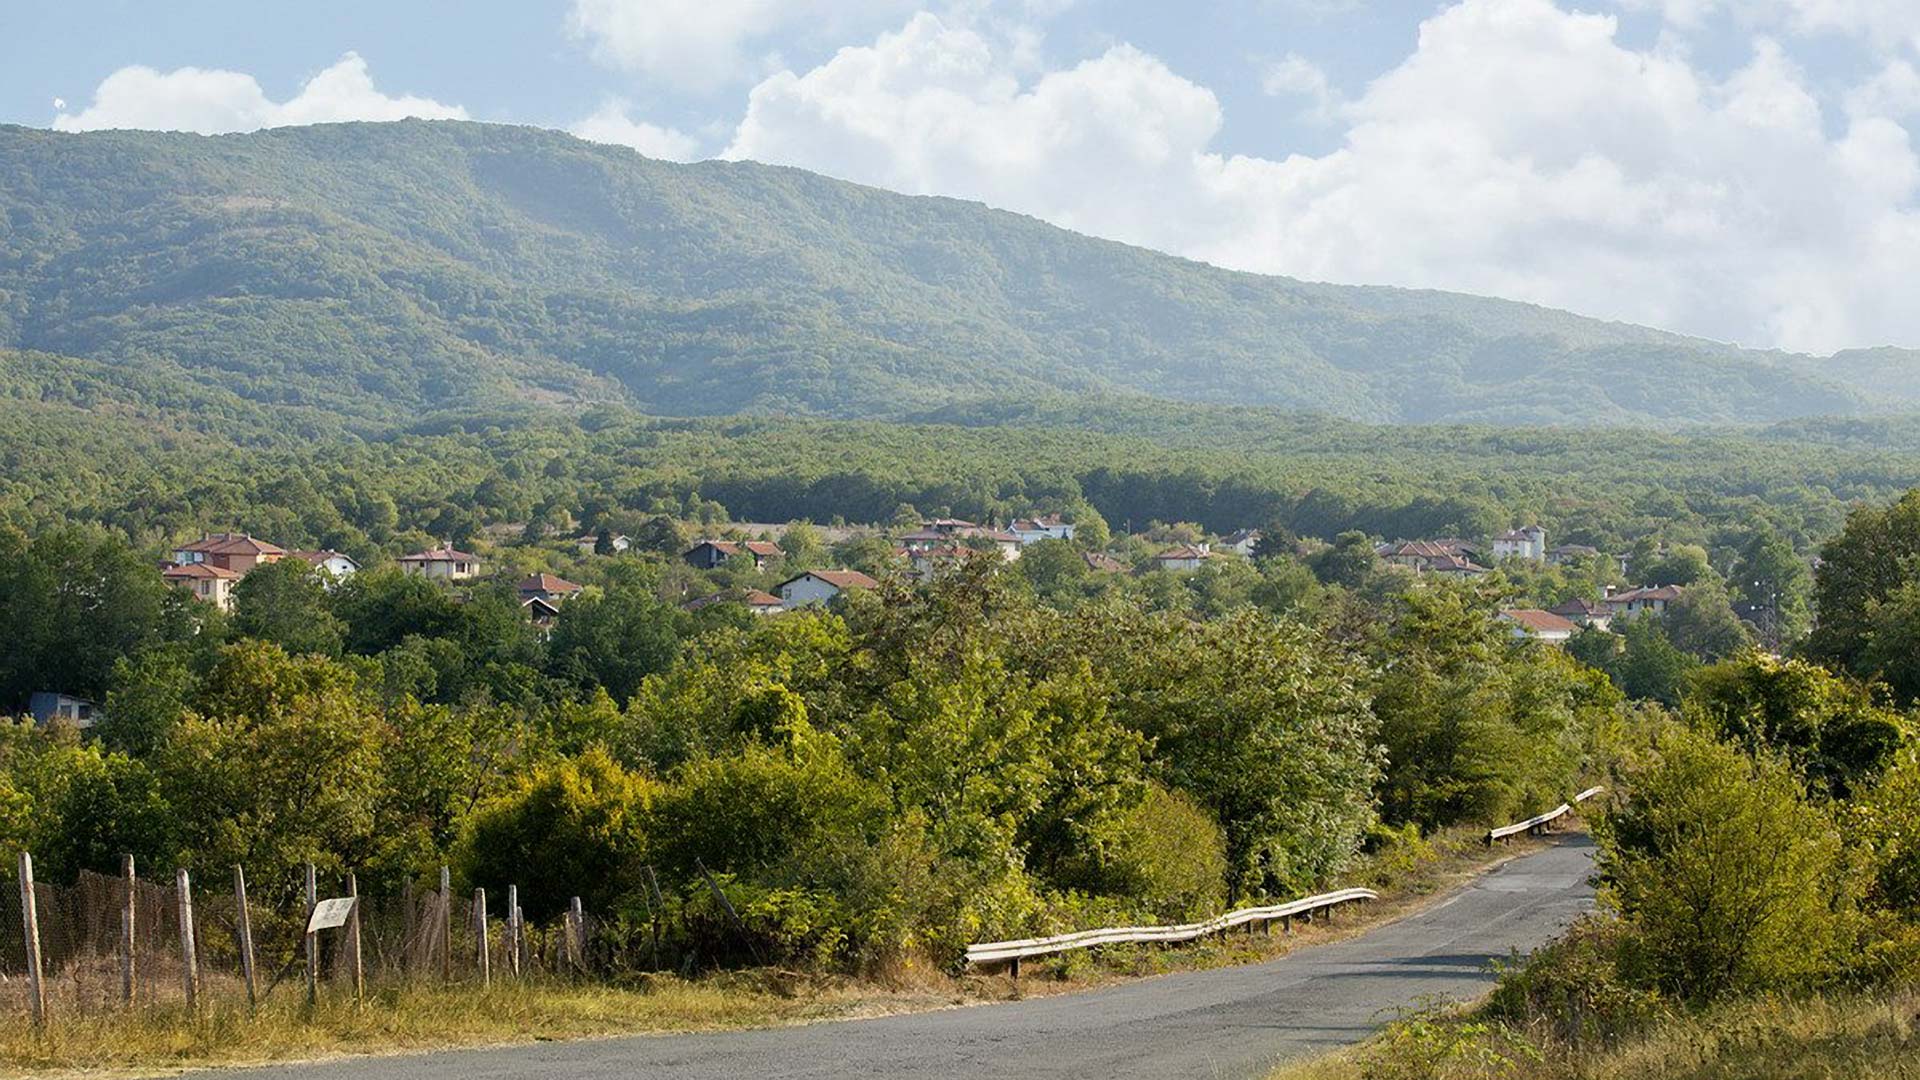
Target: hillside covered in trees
<point x="368" y="271"/>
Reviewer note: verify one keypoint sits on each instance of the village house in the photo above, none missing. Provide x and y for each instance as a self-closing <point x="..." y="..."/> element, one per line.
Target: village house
<point x="443" y="564"/>
<point x="329" y="561"/>
<point x="1455" y="567"/>
<point x="590" y="543"/>
<point x="209" y="582"/>
<point x="1183" y="557"/>
<point x="712" y="554"/>
<point x="948" y="532"/>
<point x="553" y="589"/>
<point x="1423" y="555"/>
<point x="540" y="611"/>
<point x="1049" y="527"/>
<point x="1642" y="600"/>
<point x="1571" y="554"/>
<point x="821" y="586"/>
<point x="1583" y="612"/>
<point x="1540" y="625"/>
<point x="756" y="601"/>
<point x="1528" y="543"/>
<point x="1101" y="562"/>
<point x="1241" y="541"/>
<point x="237" y="552"/>
<point x="47" y="706"/>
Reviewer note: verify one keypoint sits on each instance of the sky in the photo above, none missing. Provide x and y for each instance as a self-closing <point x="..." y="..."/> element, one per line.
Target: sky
<point x="1743" y="170"/>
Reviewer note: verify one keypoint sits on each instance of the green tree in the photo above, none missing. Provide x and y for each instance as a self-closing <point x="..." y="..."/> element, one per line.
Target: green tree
<point x="1826" y="726"/>
<point x="1701" y="623"/>
<point x="614" y="640"/>
<point x="1052" y="567"/>
<point x="286" y="603"/>
<point x="1891" y="648"/>
<point x="1773" y="581"/>
<point x="1876" y="553"/>
<point x="1349" y="562"/>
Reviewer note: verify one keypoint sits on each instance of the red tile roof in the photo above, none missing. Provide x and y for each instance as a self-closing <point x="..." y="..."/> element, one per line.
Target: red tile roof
<point x="315" y="558"/>
<point x="232" y="544"/>
<point x="187" y="571"/>
<point x="1539" y="622"/>
<point x="548" y="583"/>
<point x="1183" y="552"/>
<point x="839" y="579"/>
<point x="440" y="554"/>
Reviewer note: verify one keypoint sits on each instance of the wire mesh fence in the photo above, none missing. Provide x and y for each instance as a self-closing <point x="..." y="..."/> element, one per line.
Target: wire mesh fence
<point x="110" y="942"/>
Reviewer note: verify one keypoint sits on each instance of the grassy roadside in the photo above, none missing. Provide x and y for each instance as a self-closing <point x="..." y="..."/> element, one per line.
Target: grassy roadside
<point x="1874" y="1037"/>
<point x="415" y="1017"/>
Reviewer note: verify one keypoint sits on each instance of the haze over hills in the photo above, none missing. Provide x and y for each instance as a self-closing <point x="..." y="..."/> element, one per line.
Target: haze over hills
<point x="370" y="271"/>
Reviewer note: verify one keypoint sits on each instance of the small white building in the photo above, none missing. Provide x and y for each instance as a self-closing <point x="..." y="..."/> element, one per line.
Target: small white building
<point x="442" y="564"/>
<point x="329" y="561"/>
<point x="1642" y="600"/>
<point x="590" y="543"/>
<point x="1241" y="541"/>
<point x="1034" y="529"/>
<point x="1527" y="543"/>
<point x="1184" y="557"/>
<point x="1539" y="625"/>
<point x="821" y="586"/>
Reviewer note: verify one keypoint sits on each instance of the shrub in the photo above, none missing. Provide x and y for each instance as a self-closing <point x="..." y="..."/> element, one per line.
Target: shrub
<point x="1727" y="877"/>
<point x="573" y="827"/>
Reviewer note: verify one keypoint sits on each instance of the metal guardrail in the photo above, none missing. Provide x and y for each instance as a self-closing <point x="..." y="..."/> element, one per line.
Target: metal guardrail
<point x="1536" y="823"/>
<point x="1012" y="952"/>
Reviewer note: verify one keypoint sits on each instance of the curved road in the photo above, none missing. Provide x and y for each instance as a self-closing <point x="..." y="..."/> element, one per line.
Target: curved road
<point x="1233" y="1022"/>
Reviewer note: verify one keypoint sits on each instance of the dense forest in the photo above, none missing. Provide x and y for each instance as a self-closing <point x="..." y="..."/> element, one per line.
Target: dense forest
<point x="368" y="271"/>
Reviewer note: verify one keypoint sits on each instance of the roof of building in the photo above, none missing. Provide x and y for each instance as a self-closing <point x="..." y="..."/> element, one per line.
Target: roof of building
<point x="1241" y="536"/>
<point x="1454" y="564"/>
<point x="1579" y="607"/>
<point x="315" y="558"/>
<point x="760" y="548"/>
<point x="951" y="523"/>
<point x="1100" y="560"/>
<point x="1420" y="549"/>
<point x="1539" y="622"/>
<point x="753" y="598"/>
<point x="547" y="583"/>
<point x="188" y="571"/>
<point x="1573" y="549"/>
<point x="1646" y="593"/>
<point x="839" y="579"/>
<point x="232" y="544"/>
<point x="440" y="554"/>
<point x="1184" y="551"/>
<point x="1526" y="533"/>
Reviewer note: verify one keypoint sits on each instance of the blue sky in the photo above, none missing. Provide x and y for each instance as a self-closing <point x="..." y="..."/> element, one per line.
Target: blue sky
<point x="1740" y="169"/>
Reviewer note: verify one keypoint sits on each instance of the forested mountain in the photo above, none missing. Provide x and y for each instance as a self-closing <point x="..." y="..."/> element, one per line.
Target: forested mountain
<point x="363" y="272"/>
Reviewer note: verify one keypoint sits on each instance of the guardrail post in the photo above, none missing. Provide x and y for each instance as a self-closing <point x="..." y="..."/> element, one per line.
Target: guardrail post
<point x="1013" y="968"/>
<point x="189" y="955"/>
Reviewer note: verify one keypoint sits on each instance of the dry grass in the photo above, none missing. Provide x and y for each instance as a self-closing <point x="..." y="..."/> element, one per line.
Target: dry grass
<point x="413" y="1016"/>
<point x="1855" y="1038"/>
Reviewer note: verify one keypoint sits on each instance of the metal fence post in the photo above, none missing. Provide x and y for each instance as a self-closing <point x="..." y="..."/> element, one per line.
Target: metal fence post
<point x="30" y="927"/>
<point x="579" y="928"/>
<point x="189" y="954"/>
<point x="243" y="931"/>
<point x="127" y="916"/>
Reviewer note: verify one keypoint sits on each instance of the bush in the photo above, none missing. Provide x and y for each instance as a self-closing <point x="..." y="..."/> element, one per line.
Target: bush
<point x="1727" y="877"/>
<point x="573" y="827"/>
<point x="1171" y="858"/>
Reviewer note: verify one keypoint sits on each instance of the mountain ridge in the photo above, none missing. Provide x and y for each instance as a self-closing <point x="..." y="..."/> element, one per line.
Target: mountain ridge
<point x="372" y="270"/>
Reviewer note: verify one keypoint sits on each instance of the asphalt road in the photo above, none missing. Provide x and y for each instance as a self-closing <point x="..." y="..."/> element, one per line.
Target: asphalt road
<point x="1233" y="1022"/>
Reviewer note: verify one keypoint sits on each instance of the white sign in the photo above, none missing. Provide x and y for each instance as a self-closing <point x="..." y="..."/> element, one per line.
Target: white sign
<point x="328" y="914"/>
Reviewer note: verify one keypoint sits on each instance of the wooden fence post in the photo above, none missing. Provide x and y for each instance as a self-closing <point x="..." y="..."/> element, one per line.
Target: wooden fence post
<point x="312" y="940"/>
<point x="480" y="936"/>
<point x="409" y="924"/>
<point x="128" y="977"/>
<point x="30" y="927"/>
<point x="353" y="939"/>
<point x="189" y="953"/>
<point x="515" y="930"/>
<point x="446" y="925"/>
<point x="243" y="931"/>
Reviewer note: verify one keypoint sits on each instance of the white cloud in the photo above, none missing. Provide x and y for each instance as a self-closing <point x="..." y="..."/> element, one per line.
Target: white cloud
<point x="1520" y="151"/>
<point x="611" y="124"/>
<point x="1296" y="76"/>
<point x="210" y="101"/>
<point x="706" y="44"/>
<point x="1889" y="23"/>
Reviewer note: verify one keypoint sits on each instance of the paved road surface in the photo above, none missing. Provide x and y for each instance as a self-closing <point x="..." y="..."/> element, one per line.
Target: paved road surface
<point x="1234" y="1022"/>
